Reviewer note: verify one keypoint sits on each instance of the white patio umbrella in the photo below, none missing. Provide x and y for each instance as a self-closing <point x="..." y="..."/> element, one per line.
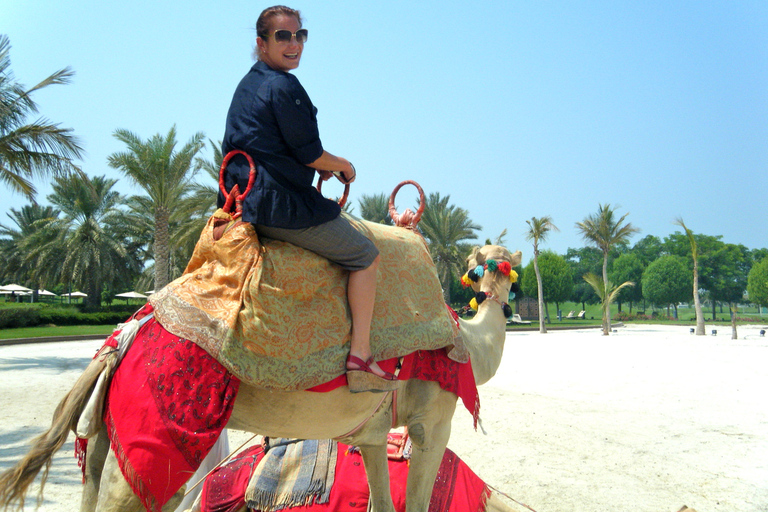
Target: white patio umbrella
<point x="46" y="293"/>
<point x="15" y="288"/>
<point x="131" y="295"/>
<point x="74" y="294"/>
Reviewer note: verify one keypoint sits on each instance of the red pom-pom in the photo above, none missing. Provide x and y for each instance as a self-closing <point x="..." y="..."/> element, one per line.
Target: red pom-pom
<point x="504" y="267"/>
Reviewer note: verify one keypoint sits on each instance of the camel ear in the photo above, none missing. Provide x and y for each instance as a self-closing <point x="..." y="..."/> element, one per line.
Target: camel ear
<point x="472" y="260"/>
<point x="516" y="258"/>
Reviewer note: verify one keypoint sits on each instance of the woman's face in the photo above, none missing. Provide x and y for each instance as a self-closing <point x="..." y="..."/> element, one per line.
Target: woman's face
<point x="281" y="55"/>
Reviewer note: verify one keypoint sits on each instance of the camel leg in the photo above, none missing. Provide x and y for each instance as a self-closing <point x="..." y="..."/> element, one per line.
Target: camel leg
<point x="98" y="449"/>
<point x="425" y="462"/>
<point x="377" y="471"/>
<point x="116" y="495"/>
<point x="429" y="432"/>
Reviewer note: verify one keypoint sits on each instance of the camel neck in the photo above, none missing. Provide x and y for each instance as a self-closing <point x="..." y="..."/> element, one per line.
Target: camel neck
<point x="484" y="335"/>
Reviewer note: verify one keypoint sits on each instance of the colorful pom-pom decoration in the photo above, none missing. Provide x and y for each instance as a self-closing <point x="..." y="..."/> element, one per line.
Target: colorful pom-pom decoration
<point x="473" y="276"/>
<point x="491" y="265"/>
<point x="473" y="303"/>
<point x="479" y="271"/>
<point x="505" y="268"/>
<point x="513" y="276"/>
<point x="480" y="297"/>
<point x="507" y="309"/>
<point x="466" y="281"/>
<point x="512" y="296"/>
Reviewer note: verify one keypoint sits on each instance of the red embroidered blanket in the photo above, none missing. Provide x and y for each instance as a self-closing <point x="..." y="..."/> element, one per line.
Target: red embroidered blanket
<point x="457" y="487"/>
<point x="167" y="404"/>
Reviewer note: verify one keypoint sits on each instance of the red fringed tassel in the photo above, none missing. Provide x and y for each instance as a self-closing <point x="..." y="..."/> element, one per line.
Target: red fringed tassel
<point x="484" y="499"/>
<point x="81" y="449"/>
<point x="476" y="410"/>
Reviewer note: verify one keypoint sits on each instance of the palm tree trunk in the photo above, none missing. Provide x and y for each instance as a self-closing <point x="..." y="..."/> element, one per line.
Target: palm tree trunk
<point x="542" y="326"/>
<point x="700" y="330"/>
<point x="606" y="306"/>
<point x="161" y="248"/>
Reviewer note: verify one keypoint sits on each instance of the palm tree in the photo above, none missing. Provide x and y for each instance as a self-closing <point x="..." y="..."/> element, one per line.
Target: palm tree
<point x="29" y="220"/>
<point x="538" y="230"/>
<point x="34" y="149"/>
<point x="444" y="227"/>
<point x="375" y="208"/>
<point x="166" y="176"/>
<point x="607" y="293"/>
<point x="700" y="330"/>
<point x="604" y="231"/>
<point x="81" y="247"/>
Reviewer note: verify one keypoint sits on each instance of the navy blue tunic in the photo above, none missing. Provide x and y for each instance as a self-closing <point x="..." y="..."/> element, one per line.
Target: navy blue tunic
<point x="273" y="120"/>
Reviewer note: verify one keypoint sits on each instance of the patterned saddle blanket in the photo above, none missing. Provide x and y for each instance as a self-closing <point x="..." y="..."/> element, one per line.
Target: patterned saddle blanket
<point x="276" y="315"/>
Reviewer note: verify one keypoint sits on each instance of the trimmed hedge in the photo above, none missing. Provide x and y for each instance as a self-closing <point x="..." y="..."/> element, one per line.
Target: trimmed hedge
<point x="31" y="317"/>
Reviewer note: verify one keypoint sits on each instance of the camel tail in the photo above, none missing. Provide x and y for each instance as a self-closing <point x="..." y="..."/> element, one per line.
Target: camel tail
<point x="15" y="482"/>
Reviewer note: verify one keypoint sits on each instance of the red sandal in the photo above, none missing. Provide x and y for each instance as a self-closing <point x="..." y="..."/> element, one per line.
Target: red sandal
<point x="362" y="378"/>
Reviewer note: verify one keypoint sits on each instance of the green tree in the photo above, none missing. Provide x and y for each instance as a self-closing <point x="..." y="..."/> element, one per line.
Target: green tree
<point x="667" y="281"/>
<point x="556" y="280"/>
<point x="445" y="227"/>
<point x="583" y="261"/>
<point x="700" y="330"/>
<point x="81" y="247"/>
<point x="29" y="220"/>
<point x="757" y="282"/>
<point x="607" y="292"/>
<point x="375" y="208"/>
<point x="728" y="281"/>
<point x="538" y="231"/>
<point x="605" y="231"/>
<point x="165" y="175"/>
<point x="648" y="249"/>
<point x="628" y="267"/>
<point x="30" y="149"/>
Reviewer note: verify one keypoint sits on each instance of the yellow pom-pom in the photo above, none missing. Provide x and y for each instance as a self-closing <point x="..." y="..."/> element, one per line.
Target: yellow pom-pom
<point x="473" y="303"/>
<point x="513" y="276"/>
<point x="465" y="280"/>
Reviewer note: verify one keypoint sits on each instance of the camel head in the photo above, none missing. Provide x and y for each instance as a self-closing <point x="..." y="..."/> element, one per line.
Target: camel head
<point x="490" y="272"/>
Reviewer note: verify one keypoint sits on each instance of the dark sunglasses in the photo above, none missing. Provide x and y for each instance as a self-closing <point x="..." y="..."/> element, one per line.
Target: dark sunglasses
<point x="284" y="36"/>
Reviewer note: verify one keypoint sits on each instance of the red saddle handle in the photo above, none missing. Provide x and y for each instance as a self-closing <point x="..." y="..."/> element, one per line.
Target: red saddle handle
<point x="234" y="196"/>
<point x="344" y="196"/>
<point x="408" y="219"/>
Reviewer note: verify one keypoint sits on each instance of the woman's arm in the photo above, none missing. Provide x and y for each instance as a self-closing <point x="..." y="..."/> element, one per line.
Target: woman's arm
<point x="332" y="163"/>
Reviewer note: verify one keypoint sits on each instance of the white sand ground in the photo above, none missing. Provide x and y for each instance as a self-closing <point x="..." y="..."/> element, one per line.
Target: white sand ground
<point x="647" y="419"/>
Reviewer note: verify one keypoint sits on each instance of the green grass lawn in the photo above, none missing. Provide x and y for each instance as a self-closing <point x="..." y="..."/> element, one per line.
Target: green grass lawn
<point x="68" y="330"/>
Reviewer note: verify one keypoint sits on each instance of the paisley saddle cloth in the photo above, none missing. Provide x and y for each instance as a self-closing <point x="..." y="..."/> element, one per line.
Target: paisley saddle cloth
<point x="276" y="315"/>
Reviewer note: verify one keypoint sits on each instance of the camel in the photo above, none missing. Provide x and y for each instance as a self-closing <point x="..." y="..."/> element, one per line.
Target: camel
<point x="361" y="419"/>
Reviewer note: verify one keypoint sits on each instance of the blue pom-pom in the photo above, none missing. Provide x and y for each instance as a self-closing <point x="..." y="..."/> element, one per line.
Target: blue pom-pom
<point x="511" y="296"/>
<point x="479" y="270"/>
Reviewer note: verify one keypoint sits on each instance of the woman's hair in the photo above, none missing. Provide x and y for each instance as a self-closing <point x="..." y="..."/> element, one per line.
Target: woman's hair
<point x="262" y="24"/>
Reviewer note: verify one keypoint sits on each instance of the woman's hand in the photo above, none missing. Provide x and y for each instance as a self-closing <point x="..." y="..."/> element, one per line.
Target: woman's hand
<point x="347" y="177"/>
<point x="340" y="167"/>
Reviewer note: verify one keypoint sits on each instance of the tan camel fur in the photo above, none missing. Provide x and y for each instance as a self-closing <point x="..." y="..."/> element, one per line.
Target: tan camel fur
<point x="422" y="406"/>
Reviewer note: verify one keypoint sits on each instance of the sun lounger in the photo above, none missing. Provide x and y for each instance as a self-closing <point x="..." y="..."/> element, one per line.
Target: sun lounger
<point x="571" y="315"/>
<point x="517" y="320"/>
<point x="582" y="315"/>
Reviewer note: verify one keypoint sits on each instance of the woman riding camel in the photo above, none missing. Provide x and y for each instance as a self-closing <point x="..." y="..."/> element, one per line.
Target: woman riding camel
<point x="273" y="120"/>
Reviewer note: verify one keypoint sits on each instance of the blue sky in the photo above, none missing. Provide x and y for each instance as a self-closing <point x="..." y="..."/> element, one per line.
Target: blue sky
<point x="514" y="109"/>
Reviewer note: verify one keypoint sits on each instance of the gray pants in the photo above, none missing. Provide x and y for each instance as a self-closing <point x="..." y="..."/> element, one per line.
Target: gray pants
<point x="336" y="240"/>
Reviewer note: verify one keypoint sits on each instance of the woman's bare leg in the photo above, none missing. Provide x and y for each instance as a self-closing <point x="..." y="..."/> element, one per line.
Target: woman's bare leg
<point x="361" y="293"/>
